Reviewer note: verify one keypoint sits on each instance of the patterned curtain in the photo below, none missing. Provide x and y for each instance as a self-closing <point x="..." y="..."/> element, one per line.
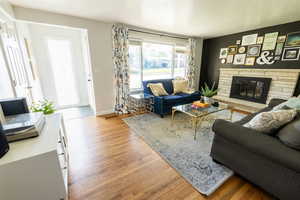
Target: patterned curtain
<point x="121" y="68"/>
<point x="192" y="68"/>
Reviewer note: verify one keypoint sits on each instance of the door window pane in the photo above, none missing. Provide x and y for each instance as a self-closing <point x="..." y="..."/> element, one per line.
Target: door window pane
<point x="64" y="76"/>
<point x="157" y="61"/>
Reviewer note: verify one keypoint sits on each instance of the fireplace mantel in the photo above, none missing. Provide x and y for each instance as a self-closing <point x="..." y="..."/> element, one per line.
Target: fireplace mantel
<point x="282" y="86"/>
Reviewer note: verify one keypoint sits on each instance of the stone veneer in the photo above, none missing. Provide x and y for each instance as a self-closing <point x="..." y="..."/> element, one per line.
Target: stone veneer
<point x="282" y="85"/>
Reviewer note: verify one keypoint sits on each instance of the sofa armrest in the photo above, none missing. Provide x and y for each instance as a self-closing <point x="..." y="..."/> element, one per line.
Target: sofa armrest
<point x="257" y="142"/>
<point x="158" y="99"/>
<point x="274" y="102"/>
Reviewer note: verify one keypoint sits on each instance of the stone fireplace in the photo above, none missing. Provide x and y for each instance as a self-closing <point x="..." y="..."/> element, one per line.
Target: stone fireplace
<point x="282" y="85"/>
<point x="253" y="89"/>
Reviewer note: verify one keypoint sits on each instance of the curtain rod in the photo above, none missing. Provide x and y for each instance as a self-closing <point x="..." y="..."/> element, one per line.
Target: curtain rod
<point x="159" y="34"/>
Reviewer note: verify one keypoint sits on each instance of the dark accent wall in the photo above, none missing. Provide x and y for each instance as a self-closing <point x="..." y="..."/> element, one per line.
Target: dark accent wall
<point x="211" y="50"/>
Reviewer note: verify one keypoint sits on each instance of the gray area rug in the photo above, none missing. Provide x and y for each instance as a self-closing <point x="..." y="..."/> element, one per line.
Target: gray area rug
<point x="176" y="144"/>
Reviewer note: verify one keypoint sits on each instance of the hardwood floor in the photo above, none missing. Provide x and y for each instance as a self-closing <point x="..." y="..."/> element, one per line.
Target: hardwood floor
<point x="107" y="161"/>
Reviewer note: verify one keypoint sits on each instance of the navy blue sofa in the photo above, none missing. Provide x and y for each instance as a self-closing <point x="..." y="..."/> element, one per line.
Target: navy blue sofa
<point x="163" y="104"/>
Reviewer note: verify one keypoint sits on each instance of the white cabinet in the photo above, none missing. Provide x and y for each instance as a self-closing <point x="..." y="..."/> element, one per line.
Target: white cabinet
<point x="37" y="168"/>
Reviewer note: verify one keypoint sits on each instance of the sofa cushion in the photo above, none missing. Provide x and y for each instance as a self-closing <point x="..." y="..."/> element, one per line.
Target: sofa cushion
<point x="275" y="101"/>
<point x="181" y="98"/>
<point x="173" y="99"/>
<point x="186" y="95"/>
<point x="293" y="102"/>
<point x="268" y="122"/>
<point x="290" y="134"/>
<point x="180" y="86"/>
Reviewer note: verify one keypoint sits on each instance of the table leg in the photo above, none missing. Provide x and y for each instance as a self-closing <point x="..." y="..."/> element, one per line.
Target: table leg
<point x="173" y="114"/>
<point x="231" y="114"/>
<point x="195" y="124"/>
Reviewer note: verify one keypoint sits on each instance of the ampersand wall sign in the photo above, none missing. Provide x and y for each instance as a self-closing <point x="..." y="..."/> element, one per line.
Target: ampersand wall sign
<point x="266" y="58"/>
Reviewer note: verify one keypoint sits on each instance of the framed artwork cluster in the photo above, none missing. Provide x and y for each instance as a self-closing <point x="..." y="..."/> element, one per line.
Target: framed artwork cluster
<point x="262" y="50"/>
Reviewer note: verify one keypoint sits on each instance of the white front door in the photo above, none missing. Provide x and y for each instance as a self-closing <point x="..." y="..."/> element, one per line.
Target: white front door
<point x="59" y="55"/>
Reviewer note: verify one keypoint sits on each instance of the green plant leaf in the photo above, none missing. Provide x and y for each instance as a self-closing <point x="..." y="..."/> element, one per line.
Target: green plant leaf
<point x="46" y="106"/>
<point x="209" y="92"/>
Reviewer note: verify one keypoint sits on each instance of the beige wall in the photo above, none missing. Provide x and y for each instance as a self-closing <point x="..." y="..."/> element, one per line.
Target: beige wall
<point x="100" y="49"/>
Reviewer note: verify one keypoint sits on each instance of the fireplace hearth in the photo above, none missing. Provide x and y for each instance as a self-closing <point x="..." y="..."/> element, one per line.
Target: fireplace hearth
<point x="253" y="89"/>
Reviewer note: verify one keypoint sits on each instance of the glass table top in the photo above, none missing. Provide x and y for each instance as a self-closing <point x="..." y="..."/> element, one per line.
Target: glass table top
<point x="140" y="96"/>
<point x="198" y="112"/>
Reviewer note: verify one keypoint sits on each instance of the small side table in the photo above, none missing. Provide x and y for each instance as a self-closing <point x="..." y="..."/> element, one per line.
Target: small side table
<point x="140" y="103"/>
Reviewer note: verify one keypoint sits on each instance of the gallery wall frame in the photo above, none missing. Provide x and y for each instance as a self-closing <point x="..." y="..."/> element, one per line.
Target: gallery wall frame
<point x="291" y="54"/>
<point x="293" y="39"/>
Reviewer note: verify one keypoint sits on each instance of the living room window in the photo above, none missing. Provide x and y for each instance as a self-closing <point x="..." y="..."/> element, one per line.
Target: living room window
<point x="150" y="60"/>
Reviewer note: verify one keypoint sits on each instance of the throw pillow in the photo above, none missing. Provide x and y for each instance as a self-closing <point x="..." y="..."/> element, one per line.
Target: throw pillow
<point x="268" y="122"/>
<point x="292" y="102"/>
<point x="157" y="89"/>
<point x="181" y="86"/>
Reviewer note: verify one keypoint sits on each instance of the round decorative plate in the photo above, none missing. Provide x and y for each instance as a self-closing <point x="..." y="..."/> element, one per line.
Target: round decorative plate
<point x="223" y="61"/>
<point x="254" y="51"/>
<point x="242" y="49"/>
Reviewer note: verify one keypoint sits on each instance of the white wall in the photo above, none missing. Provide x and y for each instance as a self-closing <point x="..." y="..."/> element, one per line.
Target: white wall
<point x="100" y="49"/>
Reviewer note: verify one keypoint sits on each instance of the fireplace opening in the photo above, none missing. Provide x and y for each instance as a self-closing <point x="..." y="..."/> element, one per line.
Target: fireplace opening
<point x="253" y="89"/>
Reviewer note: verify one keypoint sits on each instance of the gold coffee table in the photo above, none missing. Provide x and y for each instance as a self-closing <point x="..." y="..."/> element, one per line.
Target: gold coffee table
<point x="200" y="114"/>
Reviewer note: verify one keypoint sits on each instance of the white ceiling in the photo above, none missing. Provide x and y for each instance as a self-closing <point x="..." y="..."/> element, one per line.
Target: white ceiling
<point x="205" y="18"/>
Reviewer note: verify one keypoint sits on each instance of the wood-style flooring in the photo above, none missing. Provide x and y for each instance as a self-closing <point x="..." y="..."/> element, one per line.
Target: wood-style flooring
<point x="107" y="161"/>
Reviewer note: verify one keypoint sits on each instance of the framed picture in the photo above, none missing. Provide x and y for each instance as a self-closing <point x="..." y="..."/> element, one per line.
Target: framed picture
<point x="253" y="50"/>
<point x="238" y="42"/>
<point x="232" y="50"/>
<point x="293" y="39"/>
<point x="249" y="39"/>
<point x="278" y="49"/>
<point x="281" y="39"/>
<point x="270" y="41"/>
<point x="250" y="61"/>
<point x="242" y="50"/>
<point x="229" y="59"/>
<point x="291" y="54"/>
<point x="223" y="53"/>
<point x="260" y="40"/>
<point x="239" y="59"/>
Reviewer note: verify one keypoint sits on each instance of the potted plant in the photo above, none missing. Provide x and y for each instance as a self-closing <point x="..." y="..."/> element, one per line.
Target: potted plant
<point x="46" y="106"/>
<point x="208" y="92"/>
